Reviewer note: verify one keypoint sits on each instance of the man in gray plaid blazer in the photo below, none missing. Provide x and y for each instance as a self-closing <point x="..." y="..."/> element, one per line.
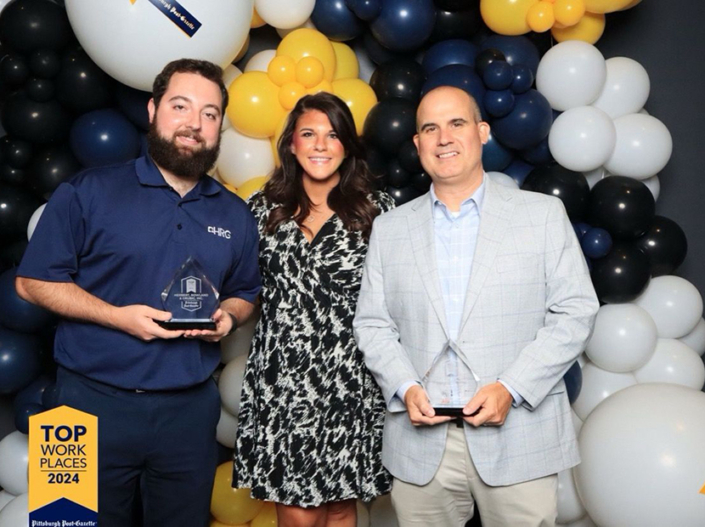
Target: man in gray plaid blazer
<point x="474" y="296"/>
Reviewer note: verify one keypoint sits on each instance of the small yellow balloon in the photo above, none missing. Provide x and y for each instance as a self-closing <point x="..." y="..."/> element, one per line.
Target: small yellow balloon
<point x="324" y="85"/>
<point x="359" y="97"/>
<point x="267" y="516"/>
<point x="309" y="71"/>
<point x="290" y="93"/>
<point x="281" y="70"/>
<point x="589" y="29"/>
<point x="228" y="505"/>
<point x="347" y="66"/>
<point x="569" y="12"/>
<point x="540" y="17"/>
<point x="254" y="107"/>
<point x="257" y="20"/>
<point x="506" y="17"/>
<point x="246" y="190"/>
<point x="216" y="523"/>
<point x="307" y="42"/>
<point x="606" y="6"/>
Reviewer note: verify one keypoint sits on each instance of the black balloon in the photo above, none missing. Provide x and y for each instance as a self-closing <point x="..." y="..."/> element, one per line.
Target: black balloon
<point x="456" y="5"/>
<point x="13" y="70"/>
<point x="11" y="253"/>
<point x="409" y="157"/>
<point x="45" y="63"/>
<point x="40" y="90"/>
<point x="571" y="187"/>
<point x="573" y="381"/>
<point x="81" y="85"/>
<point x="10" y="174"/>
<point x="133" y="103"/>
<point x="403" y="195"/>
<point x="36" y="122"/>
<point x="51" y="167"/>
<point x="375" y="161"/>
<point x="623" y="206"/>
<point x="422" y="181"/>
<point x="401" y="78"/>
<point x="28" y="25"/>
<point x="15" y="152"/>
<point x="396" y="175"/>
<point x="389" y="124"/>
<point x="455" y="24"/>
<point x="377" y="52"/>
<point x="665" y="244"/>
<point x="622" y="275"/>
<point x="16" y="208"/>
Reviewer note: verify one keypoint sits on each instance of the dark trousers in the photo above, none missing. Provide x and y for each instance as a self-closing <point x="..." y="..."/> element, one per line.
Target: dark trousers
<point x="164" y="441"/>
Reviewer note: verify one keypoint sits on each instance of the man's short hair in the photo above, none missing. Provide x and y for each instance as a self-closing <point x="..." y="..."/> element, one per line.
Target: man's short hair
<point x="474" y="107"/>
<point x="205" y="69"/>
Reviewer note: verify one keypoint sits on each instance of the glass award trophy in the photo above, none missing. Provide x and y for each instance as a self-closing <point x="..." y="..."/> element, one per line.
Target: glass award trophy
<point x="191" y="298"/>
<point x="449" y="397"/>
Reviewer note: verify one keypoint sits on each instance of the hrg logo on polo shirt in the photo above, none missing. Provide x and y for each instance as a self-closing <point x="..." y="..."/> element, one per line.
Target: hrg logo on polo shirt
<point x="219" y="231"/>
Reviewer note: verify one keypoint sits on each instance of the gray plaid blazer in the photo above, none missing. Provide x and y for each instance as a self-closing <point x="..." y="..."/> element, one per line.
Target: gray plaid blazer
<point x="528" y="313"/>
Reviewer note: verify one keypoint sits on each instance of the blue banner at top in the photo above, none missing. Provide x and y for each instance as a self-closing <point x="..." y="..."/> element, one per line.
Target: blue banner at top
<point x="178" y="15"/>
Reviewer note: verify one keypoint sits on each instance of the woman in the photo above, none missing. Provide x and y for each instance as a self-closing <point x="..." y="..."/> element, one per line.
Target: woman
<point x="310" y="429"/>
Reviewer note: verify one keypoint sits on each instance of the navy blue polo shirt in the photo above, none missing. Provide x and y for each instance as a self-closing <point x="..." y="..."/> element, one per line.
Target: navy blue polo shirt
<point x="121" y="233"/>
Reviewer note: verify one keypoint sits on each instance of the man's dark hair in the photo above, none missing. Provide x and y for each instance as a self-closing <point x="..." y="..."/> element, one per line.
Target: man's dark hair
<point x="205" y="69"/>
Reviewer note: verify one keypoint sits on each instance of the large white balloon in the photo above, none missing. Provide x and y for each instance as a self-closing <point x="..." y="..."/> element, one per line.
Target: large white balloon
<point x="598" y="385"/>
<point x="13" y="463"/>
<point x="626" y="87"/>
<point x="696" y="338"/>
<point x="243" y="157"/>
<point x="36" y="215"/>
<point x="585" y="521"/>
<point x="643" y="146"/>
<point x="226" y="431"/>
<point x="675" y="363"/>
<point x="16" y="513"/>
<point x="133" y="41"/>
<point x="284" y="14"/>
<point x="5" y="498"/>
<point x="570" y="508"/>
<point x="230" y="384"/>
<point x="284" y="32"/>
<point x="503" y="179"/>
<point x="582" y="138"/>
<point x="624" y="338"/>
<point x="674" y="303"/>
<point x="654" y="185"/>
<point x="643" y="461"/>
<point x="260" y="61"/>
<point x="571" y="74"/>
<point x="239" y="342"/>
<point x="577" y="422"/>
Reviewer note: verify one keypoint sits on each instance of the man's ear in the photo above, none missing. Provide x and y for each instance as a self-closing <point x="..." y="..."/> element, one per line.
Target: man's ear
<point x="416" y="141"/>
<point x="484" y="130"/>
<point x="151" y="109"/>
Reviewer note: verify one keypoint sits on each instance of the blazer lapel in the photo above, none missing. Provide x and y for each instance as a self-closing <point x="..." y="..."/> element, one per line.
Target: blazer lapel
<point x="422" y="237"/>
<point x="495" y="218"/>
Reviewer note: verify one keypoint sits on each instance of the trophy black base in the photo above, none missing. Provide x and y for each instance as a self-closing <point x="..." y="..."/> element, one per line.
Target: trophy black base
<point x="180" y="323"/>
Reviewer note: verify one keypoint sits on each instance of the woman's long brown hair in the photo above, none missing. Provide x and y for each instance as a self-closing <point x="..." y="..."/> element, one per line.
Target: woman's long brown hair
<point x="349" y="198"/>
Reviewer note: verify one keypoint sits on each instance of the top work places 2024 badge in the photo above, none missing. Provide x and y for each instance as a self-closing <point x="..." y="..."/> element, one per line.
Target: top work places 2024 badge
<point x="63" y="469"/>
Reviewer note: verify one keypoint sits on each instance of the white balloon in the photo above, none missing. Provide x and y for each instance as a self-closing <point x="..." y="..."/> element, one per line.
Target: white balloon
<point x="367" y="66"/>
<point x="696" y="338"/>
<point x="13" y="463"/>
<point x="675" y="363"/>
<point x="593" y="176"/>
<point x="133" y="41"/>
<point x="502" y="179"/>
<point x="284" y="14"/>
<point x="226" y="431"/>
<point x="230" y="384"/>
<point x="654" y="185"/>
<point x="583" y="359"/>
<point x="16" y="513"/>
<point x="230" y="73"/>
<point x="260" y="61"/>
<point x="643" y="461"/>
<point x="643" y="146"/>
<point x="626" y="87"/>
<point x="577" y="422"/>
<point x="582" y="138"/>
<point x="284" y="32"/>
<point x="585" y="521"/>
<point x="599" y="385"/>
<point x="382" y="513"/>
<point x="34" y="220"/>
<point x="239" y="342"/>
<point x="674" y="303"/>
<point x="571" y="74"/>
<point x="624" y="338"/>
<point x="570" y="508"/>
<point x="243" y="157"/>
<point x="5" y="498"/>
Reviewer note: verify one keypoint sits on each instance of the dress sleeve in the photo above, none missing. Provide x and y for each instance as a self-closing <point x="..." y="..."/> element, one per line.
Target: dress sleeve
<point x="259" y="206"/>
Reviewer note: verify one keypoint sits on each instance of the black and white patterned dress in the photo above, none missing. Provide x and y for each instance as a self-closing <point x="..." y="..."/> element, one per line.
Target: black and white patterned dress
<point x="311" y="417"/>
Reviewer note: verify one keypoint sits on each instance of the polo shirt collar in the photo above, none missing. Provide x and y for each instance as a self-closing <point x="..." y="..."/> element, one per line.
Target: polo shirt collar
<point x="148" y="174"/>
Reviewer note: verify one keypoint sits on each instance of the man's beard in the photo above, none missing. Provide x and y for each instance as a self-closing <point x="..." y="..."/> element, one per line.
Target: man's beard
<point x="182" y="162"/>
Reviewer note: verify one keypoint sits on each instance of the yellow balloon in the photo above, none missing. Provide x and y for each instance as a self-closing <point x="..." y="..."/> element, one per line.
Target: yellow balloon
<point x="290" y="93"/>
<point x="229" y="187"/>
<point x="309" y="71"/>
<point x="359" y="97"/>
<point x="216" y="523"/>
<point x="506" y="17"/>
<point x="307" y="42"/>
<point x="275" y="139"/>
<point x="229" y="505"/>
<point x="589" y="29"/>
<point x="630" y="5"/>
<point x="254" y="107"/>
<point x="569" y="12"/>
<point x="281" y="70"/>
<point x="267" y="516"/>
<point x="246" y="190"/>
<point x="540" y="17"/>
<point x="257" y="20"/>
<point x="324" y="85"/>
<point x="606" y="6"/>
<point x="347" y="66"/>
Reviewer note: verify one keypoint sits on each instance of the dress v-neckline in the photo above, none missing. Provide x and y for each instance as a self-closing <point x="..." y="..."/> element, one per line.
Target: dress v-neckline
<point x="313" y="240"/>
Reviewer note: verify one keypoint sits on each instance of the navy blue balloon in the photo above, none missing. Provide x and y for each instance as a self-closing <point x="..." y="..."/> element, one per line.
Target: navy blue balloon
<point x="580" y="229"/>
<point x="404" y="25"/>
<point x="517" y="50"/>
<point x="23" y="413"/>
<point x="596" y="243"/>
<point x="335" y="20"/>
<point x="573" y="381"/>
<point x="19" y="360"/>
<point x="539" y="154"/>
<point x="365" y="9"/>
<point x="377" y="53"/>
<point x="32" y="393"/>
<point x="495" y="156"/>
<point x="449" y="52"/>
<point x="50" y="396"/>
<point x="499" y="103"/>
<point x="518" y="170"/>
<point x="18" y="314"/>
<point x="528" y="124"/>
<point x="458" y="76"/>
<point x="523" y="78"/>
<point x="133" y="103"/>
<point x="498" y="75"/>
<point x="104" y="137"/>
